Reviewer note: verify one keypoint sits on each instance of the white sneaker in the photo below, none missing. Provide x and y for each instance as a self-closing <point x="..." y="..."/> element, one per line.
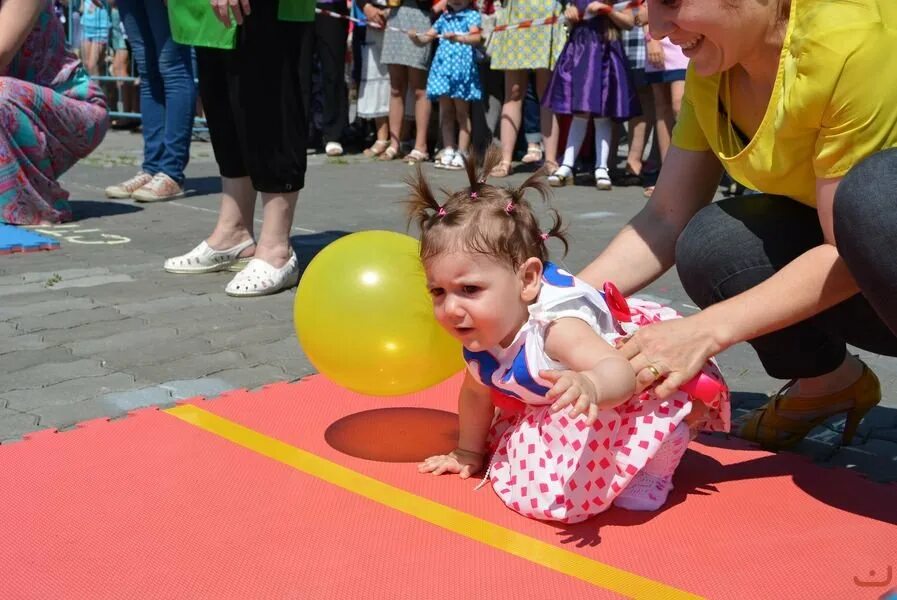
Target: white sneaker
<point x="445" y="160"/>
<point x="126" y="188"/>
<point x="457" y="162"/>
<point x="160" y="187"/>
<point x="602" y="179"/>
<point x="333" y="149"/>
<point x="204" y="259"/>
<point x="261" y="279"/>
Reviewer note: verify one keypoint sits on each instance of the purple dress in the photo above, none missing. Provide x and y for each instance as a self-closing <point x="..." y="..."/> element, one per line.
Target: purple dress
<point x="591" y="76"/>
<point x="51" y="115"/>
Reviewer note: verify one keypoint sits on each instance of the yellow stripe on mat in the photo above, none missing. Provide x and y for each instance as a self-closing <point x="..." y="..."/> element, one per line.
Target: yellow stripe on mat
<point x="501" y="538"/>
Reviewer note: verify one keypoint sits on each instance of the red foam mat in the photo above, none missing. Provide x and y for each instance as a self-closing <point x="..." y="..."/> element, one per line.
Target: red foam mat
<point x="152" y="507"/>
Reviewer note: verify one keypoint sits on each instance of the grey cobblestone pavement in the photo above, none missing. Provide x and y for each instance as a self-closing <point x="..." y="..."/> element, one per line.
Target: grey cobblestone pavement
<point x="96" y="328"/>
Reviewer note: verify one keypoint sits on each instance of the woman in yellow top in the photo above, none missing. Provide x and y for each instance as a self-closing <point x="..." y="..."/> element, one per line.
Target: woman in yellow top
<point x="792" y="98"/>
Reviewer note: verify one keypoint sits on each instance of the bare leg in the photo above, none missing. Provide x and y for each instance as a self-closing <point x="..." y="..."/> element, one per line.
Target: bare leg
<point x="677" y="90"/>
<point x="447" y="120"/>
<point x="417" y="79"/>
<point x="462" y="113"/>
<point x="638" y="131"/>
<point x="548" y="121"/>
<point x="277" y="220"/>
<point x="235" y="223"/>
<point x="512" y="112"/>
<point x="382" y="129"/>
<point x="663" y="109"/>
<point x="398" y="83"/>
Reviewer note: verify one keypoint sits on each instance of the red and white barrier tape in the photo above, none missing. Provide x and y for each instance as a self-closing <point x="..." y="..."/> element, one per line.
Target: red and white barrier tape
<point x="521" y="25"/>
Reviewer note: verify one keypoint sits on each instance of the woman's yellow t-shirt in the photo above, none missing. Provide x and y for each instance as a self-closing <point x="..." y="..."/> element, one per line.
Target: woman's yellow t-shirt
<point x="834" y="101"/>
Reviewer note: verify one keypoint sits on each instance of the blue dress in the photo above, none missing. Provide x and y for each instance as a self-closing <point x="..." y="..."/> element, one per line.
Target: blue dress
<point x="454" y="71"/>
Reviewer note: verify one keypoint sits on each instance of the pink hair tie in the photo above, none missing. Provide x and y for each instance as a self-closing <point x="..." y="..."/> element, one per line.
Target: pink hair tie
<point x="544" y="236"/>
<point x="510" y="207"/>
<point x="441" y="212"/>
<point x="474" y="195"/>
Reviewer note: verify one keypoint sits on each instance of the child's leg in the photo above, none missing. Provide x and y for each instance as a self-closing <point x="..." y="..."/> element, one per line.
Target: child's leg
<point x="649" y="489"/>
<point x="603" y="132"/>
<point x="447" y="120"/>
<point x="462" y="114"/>
<point x="577" y="133"/>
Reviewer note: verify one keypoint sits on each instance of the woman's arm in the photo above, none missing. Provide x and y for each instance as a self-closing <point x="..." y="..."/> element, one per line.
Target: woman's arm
<point x="646" y="246"/>
<point x="813" y="282"/>
<point x="17" y="19"/>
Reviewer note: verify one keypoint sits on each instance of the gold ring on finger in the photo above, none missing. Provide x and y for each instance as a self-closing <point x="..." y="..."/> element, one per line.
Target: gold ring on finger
<point x="654" y="371"/>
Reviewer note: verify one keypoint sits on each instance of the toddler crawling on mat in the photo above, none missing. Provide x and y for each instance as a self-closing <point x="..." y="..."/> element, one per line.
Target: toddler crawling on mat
<point x="574" y="433"/>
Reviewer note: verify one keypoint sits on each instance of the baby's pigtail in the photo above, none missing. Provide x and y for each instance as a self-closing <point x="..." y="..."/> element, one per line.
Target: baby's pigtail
<point x="420" y="205"/>
<point x="558" y="230"/>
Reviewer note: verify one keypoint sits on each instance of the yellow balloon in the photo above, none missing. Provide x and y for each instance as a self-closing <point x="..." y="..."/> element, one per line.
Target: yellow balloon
<point x="365" y="319"/>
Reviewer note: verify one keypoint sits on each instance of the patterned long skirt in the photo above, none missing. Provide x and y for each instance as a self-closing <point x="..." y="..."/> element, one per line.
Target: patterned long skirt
<point x="42" y="134"/>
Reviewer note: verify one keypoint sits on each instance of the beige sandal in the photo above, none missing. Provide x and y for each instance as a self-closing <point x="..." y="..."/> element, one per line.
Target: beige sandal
<point x="533" y="154"/>
<point x="502" y="169"/>
<point x="378" y="148"/>
<point x="416" y="156"/>
<point x="391" y="153"/>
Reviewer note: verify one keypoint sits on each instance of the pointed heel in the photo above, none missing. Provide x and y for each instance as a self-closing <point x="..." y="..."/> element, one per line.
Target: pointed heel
<point x="854" y="417"/>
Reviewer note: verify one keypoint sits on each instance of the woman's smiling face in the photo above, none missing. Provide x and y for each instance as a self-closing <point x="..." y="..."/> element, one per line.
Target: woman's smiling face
<point x="714" y="34"/>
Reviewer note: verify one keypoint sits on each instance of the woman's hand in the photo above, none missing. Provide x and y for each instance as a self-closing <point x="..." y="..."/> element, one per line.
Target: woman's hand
<point x="571" y="13"/>
<point x="673" y="350"/>
<point x="375" y="16"/>
<point x="572" y="387"/>
<point x="655" y="53"/>
<point x="223" y="8"/>
<point x="462" y="462"/>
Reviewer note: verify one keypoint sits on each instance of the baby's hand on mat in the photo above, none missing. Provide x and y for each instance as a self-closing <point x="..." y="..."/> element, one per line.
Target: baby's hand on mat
<point x="463" y="462"/>
<point x="571" y="387"/>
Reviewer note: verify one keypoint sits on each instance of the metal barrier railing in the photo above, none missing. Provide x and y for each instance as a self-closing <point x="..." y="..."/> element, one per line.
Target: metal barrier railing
<point x="199" y="124"/>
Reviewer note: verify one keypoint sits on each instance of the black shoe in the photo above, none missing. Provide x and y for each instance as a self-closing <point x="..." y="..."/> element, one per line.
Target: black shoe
<point x="626" y="178"/>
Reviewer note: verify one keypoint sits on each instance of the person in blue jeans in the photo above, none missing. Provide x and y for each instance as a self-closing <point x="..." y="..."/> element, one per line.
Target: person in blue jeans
<point x="167" y="103"/>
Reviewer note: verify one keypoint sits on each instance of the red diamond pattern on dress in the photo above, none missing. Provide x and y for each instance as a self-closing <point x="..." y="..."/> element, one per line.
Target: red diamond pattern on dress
<point x="558" y="450"/>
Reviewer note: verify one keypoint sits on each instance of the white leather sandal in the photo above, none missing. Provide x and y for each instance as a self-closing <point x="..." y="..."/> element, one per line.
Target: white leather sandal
<point x="261" y="279"/>
<point x="204" y="259"/>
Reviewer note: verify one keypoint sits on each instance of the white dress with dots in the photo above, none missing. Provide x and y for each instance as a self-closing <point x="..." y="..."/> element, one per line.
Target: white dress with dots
<point x="549" y="466"/>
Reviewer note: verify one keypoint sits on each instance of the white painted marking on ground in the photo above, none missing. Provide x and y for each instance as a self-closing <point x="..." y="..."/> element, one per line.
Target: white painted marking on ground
<point x="598" y="214"/>
<point x="209" y="210"/>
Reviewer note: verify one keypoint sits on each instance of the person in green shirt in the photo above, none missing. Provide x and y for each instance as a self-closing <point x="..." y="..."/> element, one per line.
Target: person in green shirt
<point x="791" y="98"/>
